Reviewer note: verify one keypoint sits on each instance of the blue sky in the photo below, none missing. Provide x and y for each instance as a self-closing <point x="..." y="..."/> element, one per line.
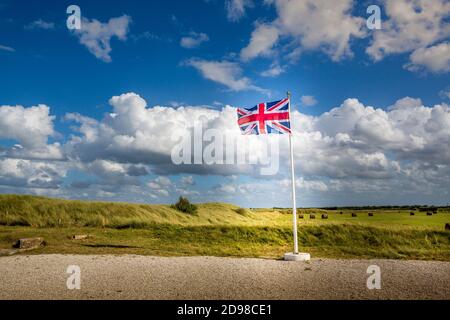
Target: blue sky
<point x="212" y="54"/>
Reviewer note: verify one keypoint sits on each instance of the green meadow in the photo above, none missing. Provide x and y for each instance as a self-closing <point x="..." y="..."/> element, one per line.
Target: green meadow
<point x="221" y="229"/>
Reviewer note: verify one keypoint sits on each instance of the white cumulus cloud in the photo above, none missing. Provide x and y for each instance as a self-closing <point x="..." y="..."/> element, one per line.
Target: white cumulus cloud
<point x="31" y="128"/>
<point x="6" y="48"/>
<point x="226" y="73"/>
<point x="274" y="71"/>
<point x="308" y="101"/>
<point x="96" y="36"/>
<point x="40" y="24"/>
<point x="193" y="40"/>
<point x="262" y="40"/>
<point x="392" y="153"/>
<point x="236" y="8"/>
<point x="435" y="59"/>
<point x="411" y="25"/>
<point x="308" y="25"/>
<point x="415" y="26"/>
<point x="31" y="174"/>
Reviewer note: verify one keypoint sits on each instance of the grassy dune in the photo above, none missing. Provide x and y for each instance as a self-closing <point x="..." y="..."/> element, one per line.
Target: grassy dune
<point x="220" y="229"/>
<point x="32" y="211"/>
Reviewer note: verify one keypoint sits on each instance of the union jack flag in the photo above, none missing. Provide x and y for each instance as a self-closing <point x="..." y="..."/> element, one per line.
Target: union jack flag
<point x="265" y="118"/>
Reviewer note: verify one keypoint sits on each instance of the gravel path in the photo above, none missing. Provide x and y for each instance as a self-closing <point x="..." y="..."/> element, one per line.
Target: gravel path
<point x="143" y="277"/>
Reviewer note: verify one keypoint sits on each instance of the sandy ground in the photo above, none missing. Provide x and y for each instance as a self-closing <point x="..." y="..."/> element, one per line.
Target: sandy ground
<point x="141" y="277"/>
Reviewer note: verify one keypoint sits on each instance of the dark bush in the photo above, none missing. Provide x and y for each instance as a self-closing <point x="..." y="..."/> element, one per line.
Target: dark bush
<point x="312" y="216"/>
<point x="411" y="213"/>
<point x="301" y="216"/>
<point x="429" y="209"/>
<point x="354" y="214"/>
<point x="370" y="214"/>
<point x="324" y="216"/>
<point x="429" y="213"/>
<point x="185" y="206"/>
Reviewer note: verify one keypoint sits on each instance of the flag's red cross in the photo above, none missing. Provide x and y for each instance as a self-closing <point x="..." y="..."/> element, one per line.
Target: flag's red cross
<point x="261" y="117"/>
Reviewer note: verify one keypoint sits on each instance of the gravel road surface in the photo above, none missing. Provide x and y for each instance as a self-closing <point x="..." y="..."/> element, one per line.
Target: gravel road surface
<point x="145" y="277"/>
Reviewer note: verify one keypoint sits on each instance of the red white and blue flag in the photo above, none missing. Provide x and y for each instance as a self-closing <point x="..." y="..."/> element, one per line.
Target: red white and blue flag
<point x="265" y="118"/>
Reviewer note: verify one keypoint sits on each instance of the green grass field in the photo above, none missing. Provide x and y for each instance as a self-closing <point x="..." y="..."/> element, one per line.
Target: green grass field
<point x="221" y="229"/>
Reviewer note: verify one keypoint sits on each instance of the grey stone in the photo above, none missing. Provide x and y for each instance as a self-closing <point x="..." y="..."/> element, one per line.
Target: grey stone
<point x="29" y="243"/>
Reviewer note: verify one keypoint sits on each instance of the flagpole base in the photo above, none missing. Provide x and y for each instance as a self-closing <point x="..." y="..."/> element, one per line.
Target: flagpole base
<point x="301" y="256"/>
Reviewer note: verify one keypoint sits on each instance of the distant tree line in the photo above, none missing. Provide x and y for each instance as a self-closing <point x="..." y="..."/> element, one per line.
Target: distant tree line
<point x="421" y="208"/>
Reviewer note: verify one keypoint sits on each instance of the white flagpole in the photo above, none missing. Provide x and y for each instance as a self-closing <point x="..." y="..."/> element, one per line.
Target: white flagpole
<point x="294" y="256"/>
<point x="294" y="202"/>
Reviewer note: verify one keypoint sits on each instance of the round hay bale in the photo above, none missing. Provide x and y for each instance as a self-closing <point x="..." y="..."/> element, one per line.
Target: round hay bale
<point x="429" y="214"/>
<point x="354" y="214"/>
<point x="411" y="213"/>
<point x="370" y="214"/>
<point x="447" y="226"/>
<point x="312" y="216"/>
<point x="324" y="216"/>
<point x="301" y="216"/>
<point x="341" y="212"/>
